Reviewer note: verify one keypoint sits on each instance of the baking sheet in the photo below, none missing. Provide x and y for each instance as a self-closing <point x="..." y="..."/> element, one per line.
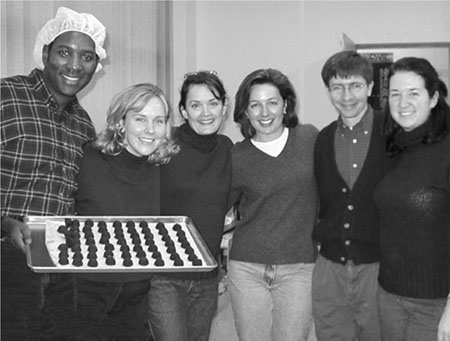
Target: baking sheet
<point x="40" y="260"/>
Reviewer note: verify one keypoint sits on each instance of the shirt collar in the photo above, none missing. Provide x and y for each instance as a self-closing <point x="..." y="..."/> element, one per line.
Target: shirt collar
<point x="364" y="124"/>
<point x="43" y="92"/>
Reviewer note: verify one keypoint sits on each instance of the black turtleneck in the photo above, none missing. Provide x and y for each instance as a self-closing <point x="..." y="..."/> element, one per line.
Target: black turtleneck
<point x="413" y="201"/>
<point x="204" y="143"/>
<point x="414" y="137"/>
<point x="122" y="185"/>
<point x="196" y="183"/>
<point x="117" y="185"/>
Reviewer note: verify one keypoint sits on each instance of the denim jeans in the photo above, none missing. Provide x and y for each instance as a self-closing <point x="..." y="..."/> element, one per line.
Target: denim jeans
<point x="409" y="319"/>
<point x="112" y="311"/>
<point x="182" y="310"/>
<point x="271" y="302"/>
<point x="345" y="302"/>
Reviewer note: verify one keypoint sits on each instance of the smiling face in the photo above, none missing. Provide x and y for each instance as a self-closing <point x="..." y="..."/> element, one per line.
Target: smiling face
<point x="69" y="64"/>
<point x="349" y="96"/>
<point x="409" y="102"/>
<point x="265" y="112"/>
<point x="203" y="111"/>
<point x="145" y="130"/>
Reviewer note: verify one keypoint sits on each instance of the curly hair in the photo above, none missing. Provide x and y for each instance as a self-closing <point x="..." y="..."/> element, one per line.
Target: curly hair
<point x="134" y="98"/>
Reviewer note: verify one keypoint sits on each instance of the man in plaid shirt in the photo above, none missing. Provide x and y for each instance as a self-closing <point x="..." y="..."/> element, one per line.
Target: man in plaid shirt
<point x="43" y="130"/>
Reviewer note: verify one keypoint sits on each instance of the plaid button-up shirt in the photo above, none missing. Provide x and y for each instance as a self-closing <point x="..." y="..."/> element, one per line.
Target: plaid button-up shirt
<point x="41" y="148"/>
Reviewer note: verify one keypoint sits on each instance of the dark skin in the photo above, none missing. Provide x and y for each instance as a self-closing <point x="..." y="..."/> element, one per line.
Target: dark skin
<point x="70" y="62"/>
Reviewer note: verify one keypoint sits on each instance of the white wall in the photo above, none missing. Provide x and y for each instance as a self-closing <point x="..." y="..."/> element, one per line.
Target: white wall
<point x="231" y="37"/>
<point x="132" y="44"/>
<point x="237" y="37"/>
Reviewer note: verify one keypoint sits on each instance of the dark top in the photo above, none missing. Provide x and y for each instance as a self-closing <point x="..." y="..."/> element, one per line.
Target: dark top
<point x="348" y="226"/>
<point x="122" y="185"/>
<point x="278" y="201"/>
<point x="414" y="206"/>
<point x="196" y="183"/>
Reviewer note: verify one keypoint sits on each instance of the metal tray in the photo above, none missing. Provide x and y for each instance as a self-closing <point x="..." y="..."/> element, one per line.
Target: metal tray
<point x="39" y="259"/>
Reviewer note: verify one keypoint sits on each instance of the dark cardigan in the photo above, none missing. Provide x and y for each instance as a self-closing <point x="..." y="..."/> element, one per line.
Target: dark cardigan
<point x="348" y="226"/>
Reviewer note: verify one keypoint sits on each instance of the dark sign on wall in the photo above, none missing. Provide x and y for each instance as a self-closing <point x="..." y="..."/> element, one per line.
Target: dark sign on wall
<point x="381" y="63"/>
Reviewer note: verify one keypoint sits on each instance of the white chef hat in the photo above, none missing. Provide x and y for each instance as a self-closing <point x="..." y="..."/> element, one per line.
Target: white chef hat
<point x="68" y="20"/>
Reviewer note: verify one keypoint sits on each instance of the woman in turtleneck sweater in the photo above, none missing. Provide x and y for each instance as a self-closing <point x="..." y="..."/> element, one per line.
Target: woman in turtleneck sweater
<point x="413" y="200"/>
<point x="118" y="177"/>
<point x="195" y="183"/>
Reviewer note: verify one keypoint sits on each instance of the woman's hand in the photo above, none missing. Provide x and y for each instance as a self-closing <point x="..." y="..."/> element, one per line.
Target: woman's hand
<point x="17" y="232"/>
<point x="444" y="324"/>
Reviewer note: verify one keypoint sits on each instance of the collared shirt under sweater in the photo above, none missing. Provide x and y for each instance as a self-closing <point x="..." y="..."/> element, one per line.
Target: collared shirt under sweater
<point x="348" y="225"/>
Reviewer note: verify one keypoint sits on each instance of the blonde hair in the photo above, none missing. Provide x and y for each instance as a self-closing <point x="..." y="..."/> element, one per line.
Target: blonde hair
<point x="134" y="98"/>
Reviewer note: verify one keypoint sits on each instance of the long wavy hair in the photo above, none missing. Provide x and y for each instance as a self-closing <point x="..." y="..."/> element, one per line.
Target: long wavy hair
<point x="134" y="98"/>
<point x="440" y="114"/>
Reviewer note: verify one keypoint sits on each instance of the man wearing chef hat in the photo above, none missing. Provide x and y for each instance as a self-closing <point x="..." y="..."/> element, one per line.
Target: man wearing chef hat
<point x="42" y="130"/>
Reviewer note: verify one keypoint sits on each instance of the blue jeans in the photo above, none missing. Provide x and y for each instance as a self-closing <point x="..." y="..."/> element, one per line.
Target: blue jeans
<point x="112" y="311"/>
<point x="181" y="310"/>
<point x="271" y="302"/>
<point x="409" y="319"/>
<point x="345" y="302"/>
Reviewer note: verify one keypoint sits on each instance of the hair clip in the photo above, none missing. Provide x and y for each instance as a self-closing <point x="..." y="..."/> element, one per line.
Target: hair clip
<point x="209" y="72"/>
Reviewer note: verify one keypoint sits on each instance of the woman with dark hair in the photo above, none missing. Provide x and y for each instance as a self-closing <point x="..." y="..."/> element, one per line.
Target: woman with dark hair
<point x="119" y="177"/>
<point x="195" y="183"/>
<point x="272" y="254"/>
<point x="413" y="200"/>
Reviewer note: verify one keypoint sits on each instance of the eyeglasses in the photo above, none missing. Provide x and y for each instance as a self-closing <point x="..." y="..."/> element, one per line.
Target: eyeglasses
<point x="208" y="72"/>
<point x="353" y="88"/>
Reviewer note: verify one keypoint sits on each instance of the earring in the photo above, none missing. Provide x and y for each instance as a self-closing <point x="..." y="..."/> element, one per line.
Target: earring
<point x="118" y="133"/>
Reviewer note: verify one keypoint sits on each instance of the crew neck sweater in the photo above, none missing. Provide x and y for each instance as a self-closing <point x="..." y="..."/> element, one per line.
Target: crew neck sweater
<point x="413" y="200"/>
<point x="348" y="224"/>
<point x="277" y="201"/>
<point x="196" y="183"/>
<point x="122" y="185"/>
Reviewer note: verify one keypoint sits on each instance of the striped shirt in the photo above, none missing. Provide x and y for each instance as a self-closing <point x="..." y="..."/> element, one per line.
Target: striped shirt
<point x="41" y="148"/>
